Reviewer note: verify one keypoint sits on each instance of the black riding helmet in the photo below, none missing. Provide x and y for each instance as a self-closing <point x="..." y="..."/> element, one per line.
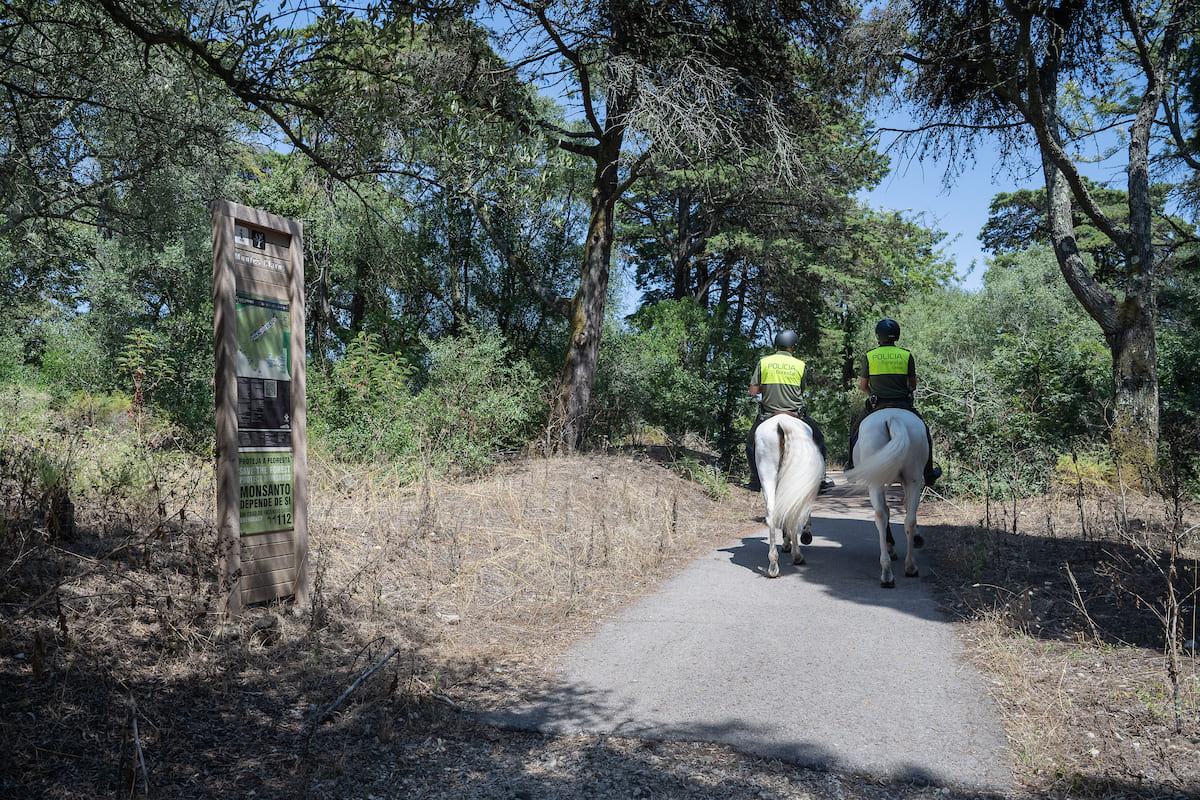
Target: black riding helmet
<point x="887" y="330"/>
<point x="786" y="340"/>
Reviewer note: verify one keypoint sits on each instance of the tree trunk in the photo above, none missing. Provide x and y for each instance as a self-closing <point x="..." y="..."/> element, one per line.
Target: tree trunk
<point x="1128" y="324"/>
<point x="568" y="416"/>
<point x="321" y="320"/>
<point x="1135" y="392"/>
<point x="681" y="253"/>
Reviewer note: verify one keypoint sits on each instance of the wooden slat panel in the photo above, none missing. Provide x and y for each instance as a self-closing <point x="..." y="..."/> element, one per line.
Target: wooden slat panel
<point x="263" y="283"/>
<point x="252" y="565"/>
<point x="268" y="585"/>
<point x="265" y="539"/>
<point x="279" y="550"/>
<point x="268" y="551"/>
<point x="264" y="594"/>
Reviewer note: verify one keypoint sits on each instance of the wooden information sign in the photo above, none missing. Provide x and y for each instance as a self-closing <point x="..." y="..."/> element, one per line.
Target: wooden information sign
<point x="262" y="468"/>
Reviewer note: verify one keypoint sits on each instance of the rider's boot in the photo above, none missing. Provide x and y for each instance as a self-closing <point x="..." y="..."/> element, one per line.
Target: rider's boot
<point x="932" y="473"/>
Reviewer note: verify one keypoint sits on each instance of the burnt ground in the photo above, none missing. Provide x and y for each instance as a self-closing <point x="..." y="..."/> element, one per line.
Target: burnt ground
<point x="117" y="677"/>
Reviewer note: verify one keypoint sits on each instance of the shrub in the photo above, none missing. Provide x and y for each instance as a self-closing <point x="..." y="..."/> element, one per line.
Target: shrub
<point x="1087" y="472"/>
<point x="679" y="369"/>
<point x="357" y="406"/>
<point x="476" y="403"/>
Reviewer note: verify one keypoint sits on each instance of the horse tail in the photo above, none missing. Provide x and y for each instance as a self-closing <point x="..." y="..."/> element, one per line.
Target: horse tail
<point x="800" y="474"/>
<point x="883" y="466"/>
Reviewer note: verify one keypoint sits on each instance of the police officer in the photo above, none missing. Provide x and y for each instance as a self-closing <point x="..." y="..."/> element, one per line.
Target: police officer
<point x="779" y="379"/>
<point x="888" y="374"/>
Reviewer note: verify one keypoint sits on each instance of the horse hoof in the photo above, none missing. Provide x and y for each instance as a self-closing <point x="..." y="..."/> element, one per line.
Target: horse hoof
<point x="798" y="560"/>
<point x="787" y="546"/>
<point x="773" y="571"/>
<point x="806" y="538"/>
<point x="918" y="541"/>
<point x="888" y="584"/>
<point x="916" y="573"/>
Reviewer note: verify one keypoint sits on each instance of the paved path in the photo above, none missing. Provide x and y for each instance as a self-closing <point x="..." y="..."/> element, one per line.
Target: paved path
<point x="821" y="666"/>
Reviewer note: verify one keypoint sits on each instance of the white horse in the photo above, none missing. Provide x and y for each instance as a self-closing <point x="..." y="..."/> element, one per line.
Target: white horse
<point x="892" y="448"/>
<point x="790" y="468"/>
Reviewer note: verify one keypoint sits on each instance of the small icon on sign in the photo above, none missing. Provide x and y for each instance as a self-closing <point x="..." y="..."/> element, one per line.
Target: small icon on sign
<point x="266" y="326"/>
<point x="259" y="239"/>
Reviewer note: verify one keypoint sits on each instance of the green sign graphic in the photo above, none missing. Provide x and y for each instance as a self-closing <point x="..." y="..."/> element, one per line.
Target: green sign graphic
<point x="263" y="328"/>
<point x="265" y="491"/>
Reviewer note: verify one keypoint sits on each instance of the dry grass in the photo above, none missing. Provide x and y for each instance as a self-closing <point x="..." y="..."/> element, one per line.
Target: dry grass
<point x="441" y="597"/>
<point x="492" y="570"/>
<point x="1065" y="602"/>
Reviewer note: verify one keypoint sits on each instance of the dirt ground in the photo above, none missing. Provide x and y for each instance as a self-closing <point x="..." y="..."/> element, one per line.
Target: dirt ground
<point x="117" y="677"/>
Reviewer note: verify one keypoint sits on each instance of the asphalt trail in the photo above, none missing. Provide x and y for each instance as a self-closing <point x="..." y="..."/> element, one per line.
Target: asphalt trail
<point x="820" y="666"/>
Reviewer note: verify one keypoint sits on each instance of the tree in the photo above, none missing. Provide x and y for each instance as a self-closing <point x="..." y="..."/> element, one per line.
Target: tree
<point x="1011" y="373"/>
<point x="662" y="86"/>
<point x="1006" y="66"/>
<point x="684" y="228"/>
<point x="657" y="86"/>
<point x="1016" y="219"/>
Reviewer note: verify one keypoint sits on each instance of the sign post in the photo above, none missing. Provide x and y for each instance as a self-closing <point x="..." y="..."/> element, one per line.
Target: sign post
<point x="262" y="466"/>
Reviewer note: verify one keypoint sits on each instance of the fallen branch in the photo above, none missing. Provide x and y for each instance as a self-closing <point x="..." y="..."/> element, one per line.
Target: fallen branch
<point x="435" y="695"/>
<point x="324" y="715"/>
<point x="138" y="767"/>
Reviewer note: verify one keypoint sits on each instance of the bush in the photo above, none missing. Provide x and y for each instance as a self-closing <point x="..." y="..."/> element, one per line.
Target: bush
<point x="476" y="403"/>
<point x="357" y="407"/>
<point x="678" y="369"/>
<point x="1085" y="472"/>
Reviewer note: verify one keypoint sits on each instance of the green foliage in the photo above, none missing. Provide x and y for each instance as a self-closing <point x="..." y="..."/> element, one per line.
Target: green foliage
<point x="678" y="369"/>
<point x="35" y="471"/>
<point x="476" y="403"/>
<point x="1007" y="375"/>
<point x="1092" y="470"/>
<point x="659" y="372"/>
<point x="71" y="359"/>
<point x="358" y="406"/>
<point x="707" y="475"/>
<point x="1018" y="218"/>
<point x="145" y="362"/>
<point x="12" y="358"/>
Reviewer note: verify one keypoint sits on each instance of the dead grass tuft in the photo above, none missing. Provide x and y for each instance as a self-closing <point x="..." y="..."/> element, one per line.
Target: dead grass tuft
<point x="1085" y="624"/>
<point x="426" y="599"/>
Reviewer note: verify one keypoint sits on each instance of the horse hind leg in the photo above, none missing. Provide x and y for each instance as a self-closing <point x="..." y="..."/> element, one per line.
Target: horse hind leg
<point x="910" y="559"/>
<point x="797" y="554"/>
<point x="773" y="533"/>
<point x="886" y="579"/>
<point x="773" y="553"/>
<point x="915" y="540"/>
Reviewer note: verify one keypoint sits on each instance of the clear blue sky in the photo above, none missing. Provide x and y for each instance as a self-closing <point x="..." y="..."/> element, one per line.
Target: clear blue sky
<point x="960" y="209"/>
